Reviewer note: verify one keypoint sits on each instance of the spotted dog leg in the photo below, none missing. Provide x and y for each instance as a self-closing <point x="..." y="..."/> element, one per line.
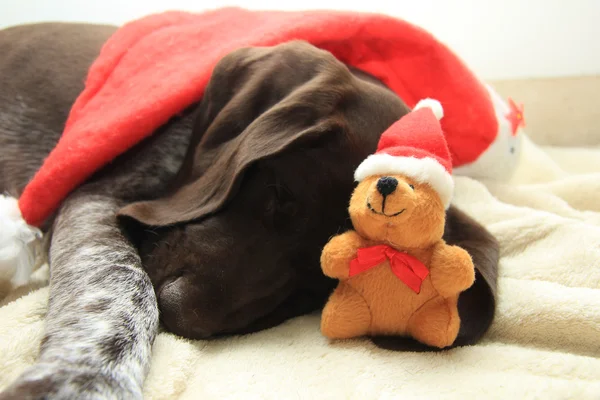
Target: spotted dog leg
<point x="102" y="316"/>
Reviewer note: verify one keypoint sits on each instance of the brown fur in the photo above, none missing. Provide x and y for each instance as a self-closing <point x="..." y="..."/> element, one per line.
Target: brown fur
<point x="376" y="301"/>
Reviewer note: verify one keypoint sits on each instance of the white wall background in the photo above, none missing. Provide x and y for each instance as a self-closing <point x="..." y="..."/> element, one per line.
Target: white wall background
<point x="498" y="39"/>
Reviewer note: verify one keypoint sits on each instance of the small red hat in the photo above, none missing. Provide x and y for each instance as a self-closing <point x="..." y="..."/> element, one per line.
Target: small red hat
<point x="414" y="146"/>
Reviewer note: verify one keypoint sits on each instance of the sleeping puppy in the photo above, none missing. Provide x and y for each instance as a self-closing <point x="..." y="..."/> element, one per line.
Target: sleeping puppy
<point x="217" y="220"/>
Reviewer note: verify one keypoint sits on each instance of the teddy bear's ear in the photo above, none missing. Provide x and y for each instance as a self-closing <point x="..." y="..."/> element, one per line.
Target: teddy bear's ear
<point x="477" y="304"/>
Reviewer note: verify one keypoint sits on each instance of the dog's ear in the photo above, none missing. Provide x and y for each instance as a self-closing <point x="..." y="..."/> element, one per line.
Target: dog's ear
<point x="248" y="113"/>
<point x="207" y="193"/>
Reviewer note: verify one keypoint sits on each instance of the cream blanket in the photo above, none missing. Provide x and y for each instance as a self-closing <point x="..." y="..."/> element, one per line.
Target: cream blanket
<point x="544" y="343"/>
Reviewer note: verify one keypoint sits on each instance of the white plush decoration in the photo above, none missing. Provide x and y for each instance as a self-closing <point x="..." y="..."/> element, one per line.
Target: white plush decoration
<point x="501" y="158"/>
<point x="17" y="240"/>
<point x="435" y="106"/>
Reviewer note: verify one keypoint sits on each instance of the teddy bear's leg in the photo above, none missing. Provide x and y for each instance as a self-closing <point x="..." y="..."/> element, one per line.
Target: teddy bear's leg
<point x="436" y="323"/>
<point x="345" y="315"/>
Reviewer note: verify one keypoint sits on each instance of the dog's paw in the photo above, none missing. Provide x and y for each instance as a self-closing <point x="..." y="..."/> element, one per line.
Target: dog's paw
<point x="50" y="381"/>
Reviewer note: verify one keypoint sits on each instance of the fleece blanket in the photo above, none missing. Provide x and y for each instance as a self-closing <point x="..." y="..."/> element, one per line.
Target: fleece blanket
<point x="544" y="343"/>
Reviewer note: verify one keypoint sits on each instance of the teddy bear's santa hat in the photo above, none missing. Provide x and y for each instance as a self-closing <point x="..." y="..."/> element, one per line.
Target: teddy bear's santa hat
<point x="414" y="146"/>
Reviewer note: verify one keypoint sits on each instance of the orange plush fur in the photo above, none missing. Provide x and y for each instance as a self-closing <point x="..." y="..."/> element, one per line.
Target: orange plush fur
<point x="376" y="302"/>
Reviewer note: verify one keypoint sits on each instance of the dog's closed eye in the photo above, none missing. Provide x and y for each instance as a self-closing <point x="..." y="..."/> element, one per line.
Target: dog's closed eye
<point x="281" y="202"/>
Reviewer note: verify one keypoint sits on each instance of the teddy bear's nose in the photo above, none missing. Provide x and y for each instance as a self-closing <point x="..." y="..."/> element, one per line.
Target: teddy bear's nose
<point x="387" y="185"/>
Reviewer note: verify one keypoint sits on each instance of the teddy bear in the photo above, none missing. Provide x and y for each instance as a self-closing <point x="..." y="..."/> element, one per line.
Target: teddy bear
<point x="397" y="275"/>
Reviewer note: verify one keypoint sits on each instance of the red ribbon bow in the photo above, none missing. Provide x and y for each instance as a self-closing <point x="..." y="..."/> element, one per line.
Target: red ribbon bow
<point x="406" y="267"/>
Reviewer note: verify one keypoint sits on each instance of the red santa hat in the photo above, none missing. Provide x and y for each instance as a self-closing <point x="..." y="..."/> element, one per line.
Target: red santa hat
<point x="154" y="68"/>
<point x="415" y="147"/>
<point x="170" y="57"/>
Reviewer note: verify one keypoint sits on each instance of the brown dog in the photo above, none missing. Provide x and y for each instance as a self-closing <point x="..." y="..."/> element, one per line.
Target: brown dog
<point x="218" y="219"/>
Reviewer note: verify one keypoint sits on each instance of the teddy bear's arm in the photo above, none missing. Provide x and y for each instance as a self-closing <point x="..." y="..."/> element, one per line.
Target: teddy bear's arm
<point x="337" y="254"/>
<point x="451" y="269"/>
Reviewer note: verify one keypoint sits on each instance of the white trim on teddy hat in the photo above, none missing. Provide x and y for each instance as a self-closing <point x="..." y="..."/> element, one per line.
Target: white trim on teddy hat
<point x="422" y="170"/>
<point x="433" y="104"/>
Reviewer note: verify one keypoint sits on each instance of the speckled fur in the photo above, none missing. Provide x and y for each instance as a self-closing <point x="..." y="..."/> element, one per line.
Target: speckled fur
<point x="94" y="345"/>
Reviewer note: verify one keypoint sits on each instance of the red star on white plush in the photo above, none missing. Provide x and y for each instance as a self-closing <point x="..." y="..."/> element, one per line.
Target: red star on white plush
<point x="515" y="116"/>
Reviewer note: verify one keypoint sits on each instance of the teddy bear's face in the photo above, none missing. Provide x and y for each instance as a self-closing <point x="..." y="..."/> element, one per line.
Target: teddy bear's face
<point x="397" y="210"/>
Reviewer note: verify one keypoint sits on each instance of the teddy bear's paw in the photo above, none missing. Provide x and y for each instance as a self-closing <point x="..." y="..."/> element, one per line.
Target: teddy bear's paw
<point x="465" y="270"/>
<point x="346" y="314"/>
<point x="436" y="323"/>
<point x="339" y="252"/>
<point x="452" y="270"/>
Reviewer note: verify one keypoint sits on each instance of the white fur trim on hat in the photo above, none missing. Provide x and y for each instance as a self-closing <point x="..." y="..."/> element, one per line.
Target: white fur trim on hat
<point x="422" y="170"/>
<point x="16" y="242"/>
<point x="435" y="106"/>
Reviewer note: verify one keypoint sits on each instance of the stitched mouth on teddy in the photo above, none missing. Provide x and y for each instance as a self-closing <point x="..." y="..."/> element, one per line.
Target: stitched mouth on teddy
<point x="383" y="213"/>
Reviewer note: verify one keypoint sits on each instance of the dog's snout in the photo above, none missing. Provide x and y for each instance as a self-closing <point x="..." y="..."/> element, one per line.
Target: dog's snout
<point x="185" y="309"/>
<point x="387" y="185"/>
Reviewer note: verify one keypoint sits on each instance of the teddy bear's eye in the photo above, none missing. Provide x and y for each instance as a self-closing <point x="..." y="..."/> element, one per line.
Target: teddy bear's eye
<point x="412" y="187"/>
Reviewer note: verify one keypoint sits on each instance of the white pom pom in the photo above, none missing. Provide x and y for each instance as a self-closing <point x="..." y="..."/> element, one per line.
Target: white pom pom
<point x="17" y="240"/>
<point x="435" y="106"/>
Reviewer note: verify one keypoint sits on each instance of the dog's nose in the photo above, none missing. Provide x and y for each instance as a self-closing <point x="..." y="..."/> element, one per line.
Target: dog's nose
<point x="387" y="185"/>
